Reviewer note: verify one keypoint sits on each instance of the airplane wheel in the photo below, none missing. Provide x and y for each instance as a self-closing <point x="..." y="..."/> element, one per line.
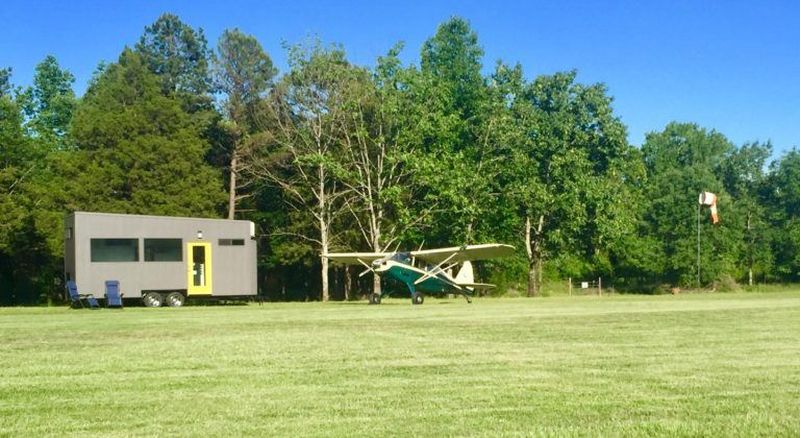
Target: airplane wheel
<point x="153" y="299"/>
<point x="175" y="299"/>
<point x="417" y="298"/>
<point x="374" y="298"/>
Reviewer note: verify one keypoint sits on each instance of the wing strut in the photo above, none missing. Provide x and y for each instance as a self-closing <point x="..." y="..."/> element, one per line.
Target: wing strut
<point x="435" y="269"/>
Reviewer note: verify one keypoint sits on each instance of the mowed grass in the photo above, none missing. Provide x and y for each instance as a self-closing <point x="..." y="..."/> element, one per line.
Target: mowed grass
<point x="710" y="364"/>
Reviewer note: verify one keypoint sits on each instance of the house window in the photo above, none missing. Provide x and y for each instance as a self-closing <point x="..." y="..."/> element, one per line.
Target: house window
<point x="231" y="242"/>
<point x="115" y="250"/>
<point x="163" y="250"/>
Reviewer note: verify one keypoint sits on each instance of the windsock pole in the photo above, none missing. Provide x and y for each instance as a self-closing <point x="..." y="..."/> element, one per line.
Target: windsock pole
<point x="709" y="199"/>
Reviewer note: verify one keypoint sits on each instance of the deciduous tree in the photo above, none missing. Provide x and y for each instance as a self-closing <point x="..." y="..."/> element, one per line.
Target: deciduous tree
<point x="782" y="195"/>
<point x="682" y="161"/>
<point x="301" y="152"/>
<point x="569" y="163"/>
<point x="50" y="103"/>
<point x="450" y="121"/>
<point x="379" y="160"/>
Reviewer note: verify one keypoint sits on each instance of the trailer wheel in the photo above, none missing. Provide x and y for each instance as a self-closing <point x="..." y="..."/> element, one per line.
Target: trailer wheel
<point x="175" y="299"/>
<point x="152" y="299"/>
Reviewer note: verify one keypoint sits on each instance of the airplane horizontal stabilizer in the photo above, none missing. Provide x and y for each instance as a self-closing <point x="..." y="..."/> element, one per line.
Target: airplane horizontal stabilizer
<point x="481" y="286"/>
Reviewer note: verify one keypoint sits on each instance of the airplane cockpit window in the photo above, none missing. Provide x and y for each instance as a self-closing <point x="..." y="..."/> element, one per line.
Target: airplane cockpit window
<point x="402" y="257"/>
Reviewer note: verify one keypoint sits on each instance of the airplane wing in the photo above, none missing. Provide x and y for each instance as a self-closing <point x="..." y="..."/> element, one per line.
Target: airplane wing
<point x="458" y="254"/>
<point x="352" y="258"/>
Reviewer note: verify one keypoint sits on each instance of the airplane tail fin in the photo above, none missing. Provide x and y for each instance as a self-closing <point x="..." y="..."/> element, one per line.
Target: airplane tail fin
<point x="465" y="273"/>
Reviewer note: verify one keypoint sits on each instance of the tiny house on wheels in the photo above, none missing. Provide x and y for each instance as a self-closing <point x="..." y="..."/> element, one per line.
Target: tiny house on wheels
<point x="162" y="260"/>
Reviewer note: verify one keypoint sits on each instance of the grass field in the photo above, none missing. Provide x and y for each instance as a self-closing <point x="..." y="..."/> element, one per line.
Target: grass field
<point x="706" y="364"/>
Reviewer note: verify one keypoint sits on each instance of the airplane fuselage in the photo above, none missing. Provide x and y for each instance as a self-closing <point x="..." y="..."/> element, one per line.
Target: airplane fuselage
<point x="407" y="274"/>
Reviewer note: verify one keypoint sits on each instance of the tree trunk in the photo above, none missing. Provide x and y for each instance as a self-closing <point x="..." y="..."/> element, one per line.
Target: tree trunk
<point x="324" y="273"/>
<point x="531" y="261"/>
<point x="539" y="273"/>
<point x="348" y="283"/>
<point x="533" y="250"/>
<point x="376" y="284"/>
<point x="750" y="261"/>
<point x="232" y="185"/>
<point x="335" y="281"/>
<point x="533" y="289"/>
<point x="376" y="247"/>
<point x="323" y="234"/>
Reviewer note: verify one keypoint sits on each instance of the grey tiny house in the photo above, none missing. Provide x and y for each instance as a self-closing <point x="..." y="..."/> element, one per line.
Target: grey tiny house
<point x="161" y="259"/>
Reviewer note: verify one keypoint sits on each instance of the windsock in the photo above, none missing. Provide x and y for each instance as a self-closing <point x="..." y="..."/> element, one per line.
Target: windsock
<point x="710" y="199"/>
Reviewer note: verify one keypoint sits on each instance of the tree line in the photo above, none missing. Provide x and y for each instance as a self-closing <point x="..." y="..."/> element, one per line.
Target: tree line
<point x="333" y="156"/>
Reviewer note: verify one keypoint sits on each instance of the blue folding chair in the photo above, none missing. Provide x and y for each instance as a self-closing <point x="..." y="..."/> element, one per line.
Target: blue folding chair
<point x="113" y="297"/>
<point x="76" y="299"/>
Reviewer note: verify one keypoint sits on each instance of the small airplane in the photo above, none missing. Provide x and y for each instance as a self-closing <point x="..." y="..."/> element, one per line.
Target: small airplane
<point x="432" y="276"/>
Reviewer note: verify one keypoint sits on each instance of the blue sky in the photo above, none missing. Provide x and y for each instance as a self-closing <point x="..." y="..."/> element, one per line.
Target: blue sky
<point x="733" y="66"/>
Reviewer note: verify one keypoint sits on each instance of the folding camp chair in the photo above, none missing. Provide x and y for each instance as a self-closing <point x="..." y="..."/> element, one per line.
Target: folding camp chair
<point x="76" y="299"/>
<point x="113" y="297"/>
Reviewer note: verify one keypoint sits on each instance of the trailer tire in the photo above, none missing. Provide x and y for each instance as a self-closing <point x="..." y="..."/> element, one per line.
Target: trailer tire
<point x="175" y="299"/>
<point x="152" y="299"/>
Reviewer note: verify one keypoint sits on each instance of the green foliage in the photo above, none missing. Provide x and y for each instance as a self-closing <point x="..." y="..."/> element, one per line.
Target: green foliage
<point x="682" y="161"/>
<point x="451" y="59"/>
<point x="50" y="103"/>
<point x="782" y="198"/>
<point x="745" y="178"/>
<point x="179" y="56"/>
<point x="16" y="154"/>
<point x="337" y="156"/>
<point x="565" y="175"/>
<point x="5" y="81"/>
<point x="446" y="118"/>
<point x="244" y="73"/>
<point x="140" y="151"/>
<point x="28" y="237"/>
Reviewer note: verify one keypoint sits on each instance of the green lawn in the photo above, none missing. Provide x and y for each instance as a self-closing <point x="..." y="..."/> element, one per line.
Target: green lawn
<point x="710" y="364"/>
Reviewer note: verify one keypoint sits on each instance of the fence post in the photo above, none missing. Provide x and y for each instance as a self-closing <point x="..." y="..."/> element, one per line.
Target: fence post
<point x="600" y="286"/>
<point x="570" y="286"/>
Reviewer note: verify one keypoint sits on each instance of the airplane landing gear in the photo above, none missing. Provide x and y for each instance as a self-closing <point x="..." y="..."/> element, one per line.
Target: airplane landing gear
<point x="416" y="297"/>
<point x="374" y="298"/>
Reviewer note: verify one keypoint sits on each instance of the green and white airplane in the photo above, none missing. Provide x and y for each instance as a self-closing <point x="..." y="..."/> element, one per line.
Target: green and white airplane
<point x="427" y="271"/>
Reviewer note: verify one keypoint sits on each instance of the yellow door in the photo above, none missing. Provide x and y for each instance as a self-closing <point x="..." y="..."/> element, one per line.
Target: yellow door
<point x="199" y="268"/>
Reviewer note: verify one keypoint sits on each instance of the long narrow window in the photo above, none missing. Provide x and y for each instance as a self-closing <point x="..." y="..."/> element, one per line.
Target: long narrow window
<point x="231" y="242"/>
<point x="163" y="250"/>
<point x="115" y="250"/>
